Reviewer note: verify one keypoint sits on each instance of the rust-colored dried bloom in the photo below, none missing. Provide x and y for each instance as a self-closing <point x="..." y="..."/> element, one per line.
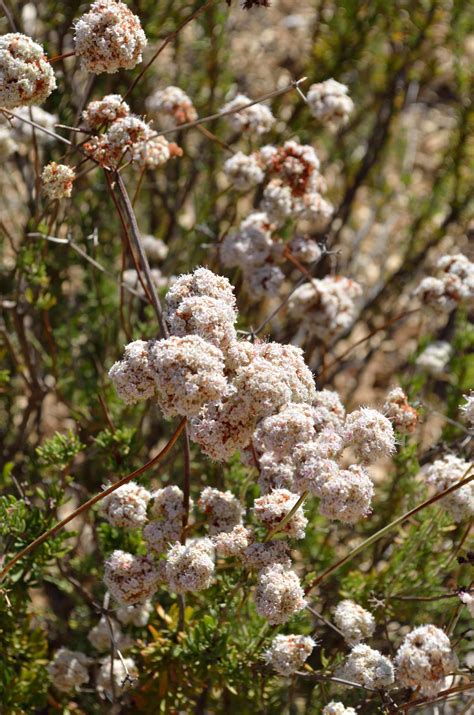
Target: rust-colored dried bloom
<point x="401" y="414"/>
<point x="109" y="37"/>
<point x="103" y="112"/>
<point x="26" y="76"/>
<point x="57" y="180"/>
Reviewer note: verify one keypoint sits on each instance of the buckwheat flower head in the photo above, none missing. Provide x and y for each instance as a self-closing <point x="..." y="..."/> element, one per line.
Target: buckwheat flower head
<point x="234" y="542"/>
<point x="109" y="37"/>
<point x="325" y="306"/>
<point x="223" y="427"/>
<point x="100" y="637"/>
<point x="446" y="472"/>
<point x="133" y="376"/>
<point x="173" y="103"/>
<point x="201" y="283"/>
<point x="26" y="76"/>
<point x="249" y="246"/>
<point x="368" y="667"/>
<point x="424" y="658"/>
<point x="261" y="554"/>
<point x="190" y="567"/>
<point x="57" y="180"/>
<point x="130" y="579"/>
<point x="442" y="294"/>
<point x="126" y="506"/>
<point x="261" y="388"/>
<point x="370" y="433"/>
<point x="152" y="151"/>
<point x="401" y="414"/>
<point x="122" y="137"/>
<point x="287" y="654"/>
<point x="136" y="615"/>
<point x="222" y="509"/>
<point x="258" y="118"/>
<point x="296" y="165"/>
<point x="159" y="535"/>
<point x="312" y="469"/>
<point x="329" y="102"/>
<point x="103" y="112"/>
<point x="435" y="357"/>
<point x="468" y="601"/>
<point x="188" y="373"/>
<point x="8" y="144"/>
<point x="243" y="171"/>
<point x="276" y="473"/>
<point x="305" y="249"/>
<point x="271" y="508"/>
<point x="468" y="408"/>
<point x="354" y="622"/>
<point x="155" y="248"/>
<point x="277" y="201"/>
<point x="329" y="443"/>
<point x="347" y="496"/>
<point x="294" y="372"/>
<point x="168" y="504"/>
<point x="335" y="708"/>
<point x="279" y="594"/>
<point x="68" y="670"/>
<point x="280" y="433"/>
<point x="328" y="410"/>
<point x="263" y="281"/>
<point x="209" y="318"/>
<point x="315" y="209"/>
<point x="124" y="673"/>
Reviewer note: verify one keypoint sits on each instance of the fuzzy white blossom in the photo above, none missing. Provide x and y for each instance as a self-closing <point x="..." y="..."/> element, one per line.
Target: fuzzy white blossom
<point x="201" y="283"/>
<point x="424" y="659"/>
<point x="234" y="542"/>
<point x="136" y="615"/>
<point x="122" y="673"/>
<point x="251" y="245"/>
<point x="264" y="281"/>
<point x="282" y="432"/>
<point x="277" y="201"/>
<point x="305" y="249"/>
<point x="209" y="318"/>
<point x="446" y="472"/>
<point x="243" y="171"/>
<point x="133" y="376"/>
<point x="126" y="506"/>
<point x="279" y="594"/>
<point x="401" y="414"/>
<point x="368" y="667"/>
<point x="188" y="372"/>
<point x="130" y="579"/>
<point x="435" y="357"/>
<point x="167" y="511"/>
<point x="454" y="285"/>
<point x="26" y="76"/>
<point x="222" y="509"/>
<point x="258" y="118"/>
<point x="328" y="410"/>
<point x="173" y="103"/>
<point x="57" y="180"/>
<point x="103" y="112"/>
<point x="354" y="622"/>
<point x="276" y="473"/>
<point x="313" y="469"/>
<point x="68" y="670"/>
<point x="337" y="708"/>
<point x="152" y="151"/>
<point x="325" y="307"/>
<point x="190" y="567"/>
<point x="109" y="37"/>
<point x="261" y="554"/>
<point x="271" y="508"/>
<point x="159" y="535"/>
<point x="287" y="654"/>
<point x="370" y="433"/>
<point x="329" y="102"/>
<point x="347" y="496"/>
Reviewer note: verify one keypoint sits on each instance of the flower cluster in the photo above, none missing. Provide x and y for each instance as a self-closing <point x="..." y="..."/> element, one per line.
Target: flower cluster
<point x="222" y="509"/>
<point x="109" y="37"/>
<point x="424" y="659"/>
<point x="401" y="414"/>
<point x="173" y="104"/>
<point x="116" y="677"/>
<point x="287" y="654"/>
<point x="435" y="357"/>
<point x="256" y="119"/>
<point x="68" y="670"/>
<point x="101" y="113"/>
<point x="330" y="103"/>
<point x="126" y="507"/>
<point x="354" y="622"/>
<point x="271" y="508"/>
<point x="279" y="594"/>
<point x="336" y="708"/>
<point x="190" y="567"/>
<point x="57" y="180"/>
<point x="26" y="76"/>
<point x="368" y="667"/>
<point x="130" y="579"/>
<point x="454" y="285"/>
<point x="446" y="472"/>
<point x="166" y="512"/>
<point x="468" y="408"/>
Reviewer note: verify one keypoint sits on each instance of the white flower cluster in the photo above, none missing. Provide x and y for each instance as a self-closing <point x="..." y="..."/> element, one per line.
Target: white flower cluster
<point x="401" y="414"/>
<point x="271" y="508"/>
<point x="336" y="708"/>
<point x="234" y="542"/>
<point x="354" y="622"/>
<point x="329" y="102"/>
<point x="279" y="594"/>
<point x="122" y="673"/>
<point x="287" y="654"/>
<point x="137" y="614"/>
<point x="130" y="579"/>
<point x="133" y="376"/>
<point x="109" y="37"/>
<point x="455" y="284"/>
<point x="26" y="76"/>
<point x="370" y="434"/>
<point x="261" y="554"/>
<point x="167" y="512"/>
<point x="325" y="306"/>
<point x="190" y="567"/>
<point x="424" y="659"/>
<point x="446" y="472"/>
<point x="103" y="112"/>
<point x="155" y="249"/>
<point x="368" y="667"/>
<point x="173" y="104"/>
<point x="222" y="509"/>
<point x="243" y="171"/>
<point x="435" y="357"/>
<point x="57" y="180"/>
<point x="126" y="507"/>
<point x="468" y="408"/>
<point x="68" y="670"/>
<point x="256" y="119"/>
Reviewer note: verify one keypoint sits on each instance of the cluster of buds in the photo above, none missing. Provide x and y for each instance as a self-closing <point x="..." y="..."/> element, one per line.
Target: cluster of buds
<point x="330" y="103"/>
<point x="454" y="285"/>
<point x="57" y="180"/>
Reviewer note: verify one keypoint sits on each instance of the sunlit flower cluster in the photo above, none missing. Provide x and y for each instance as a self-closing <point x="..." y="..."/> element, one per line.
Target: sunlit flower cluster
<point x="26" y="76"/>
<point x="57" y="180"/>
